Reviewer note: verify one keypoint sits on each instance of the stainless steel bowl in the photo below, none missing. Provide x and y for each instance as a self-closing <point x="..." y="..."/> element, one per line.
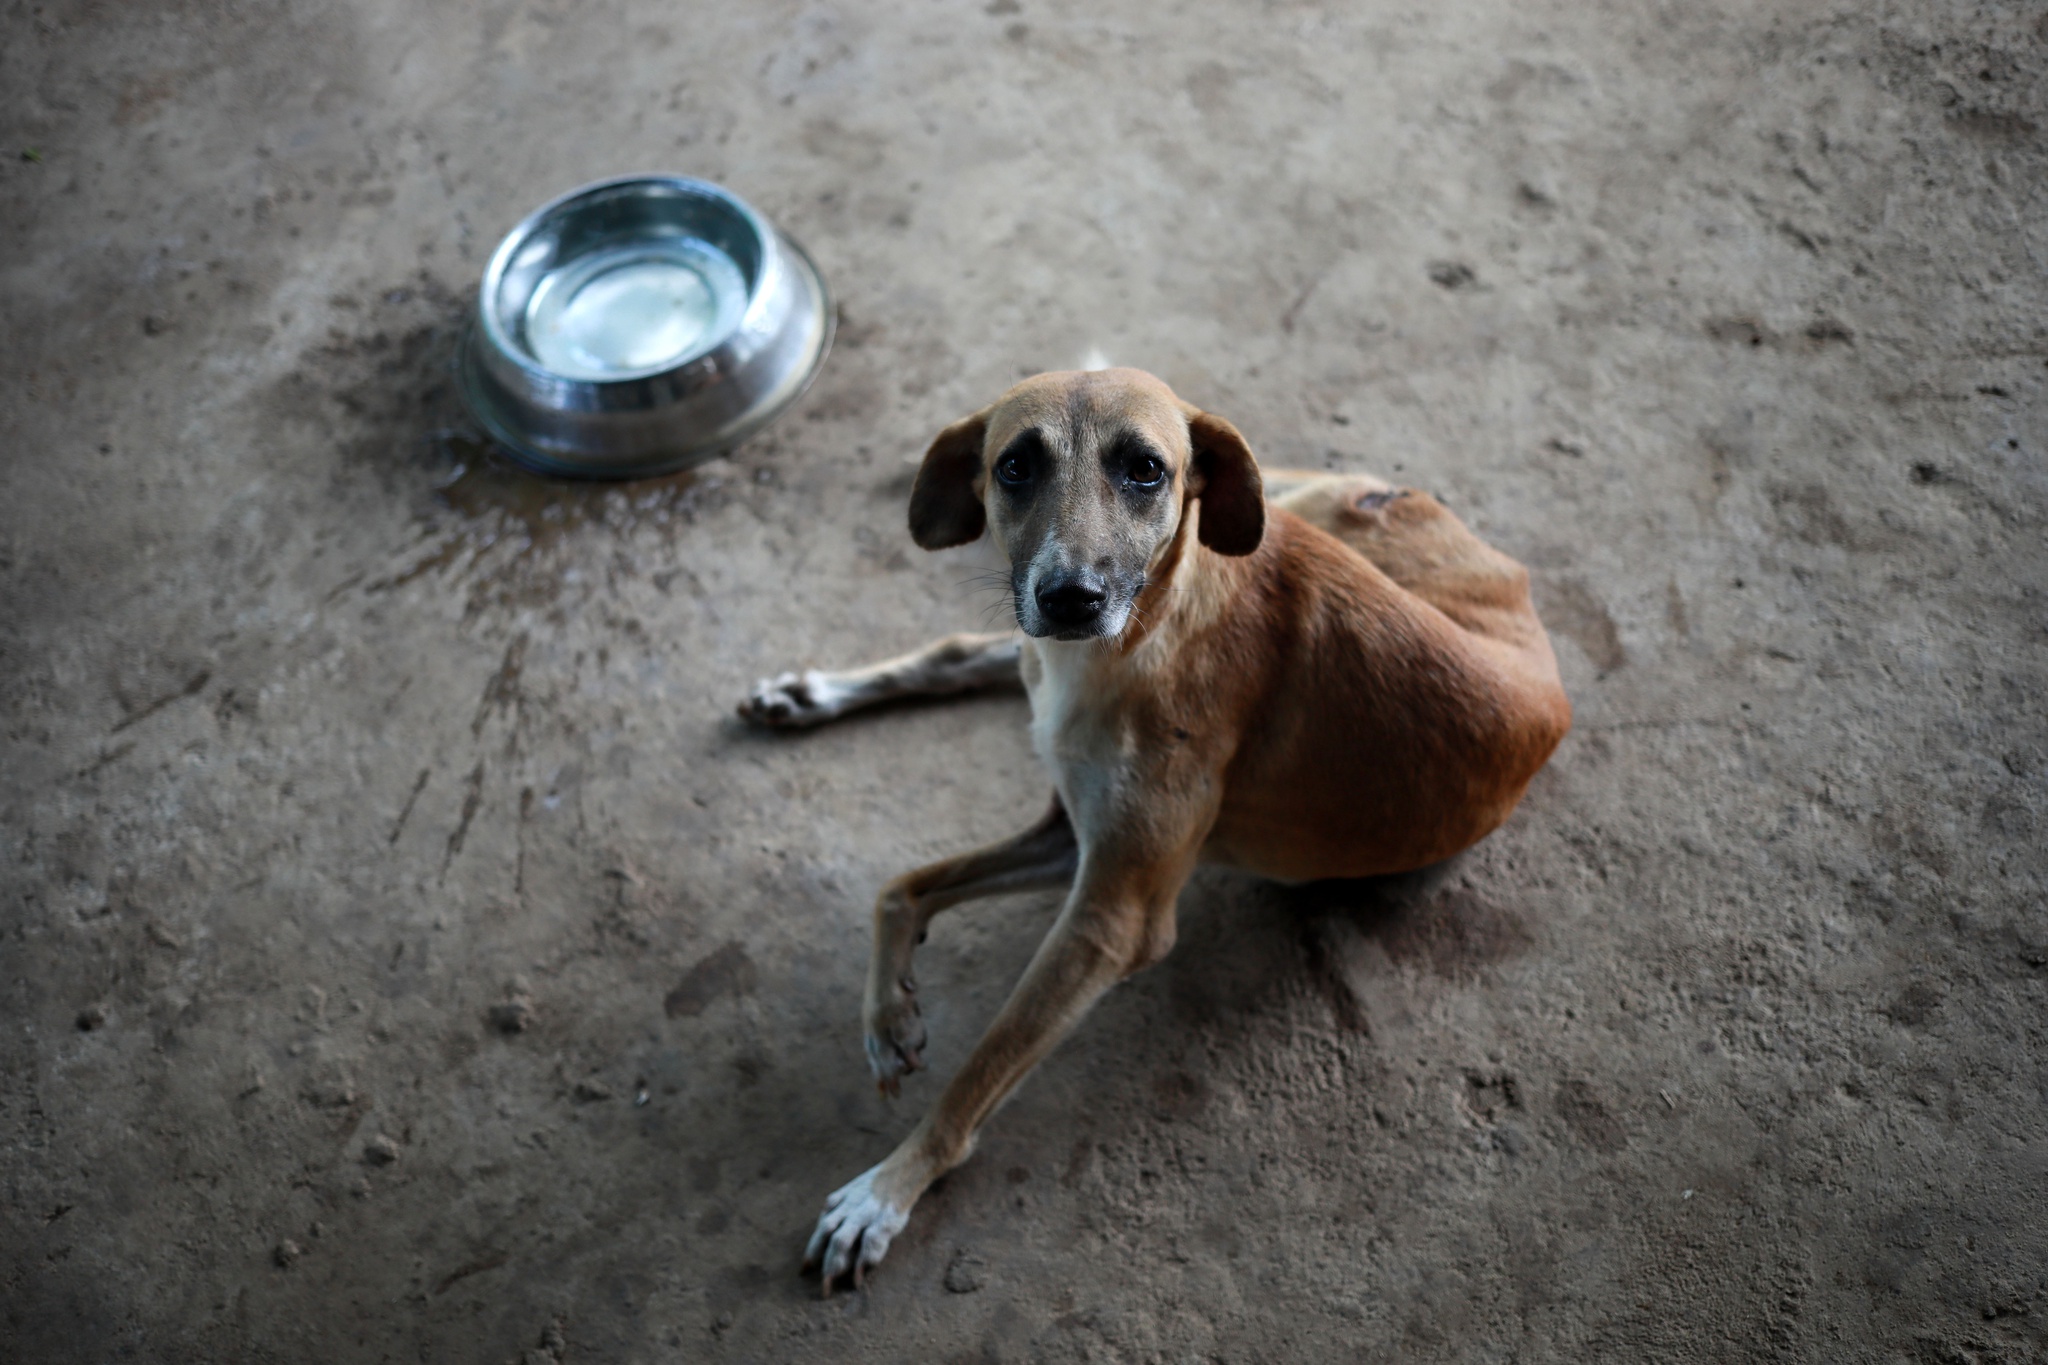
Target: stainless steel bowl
<point x="638" y="325"/>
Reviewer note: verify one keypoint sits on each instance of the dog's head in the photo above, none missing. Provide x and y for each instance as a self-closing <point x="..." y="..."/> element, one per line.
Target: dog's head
<point x="1085" y="478"/>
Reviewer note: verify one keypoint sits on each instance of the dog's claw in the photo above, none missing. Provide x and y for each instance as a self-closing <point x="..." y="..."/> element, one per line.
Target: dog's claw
<point x="854" y="1232"/>
<point x="792" y="701"/>
<point x="895" y="1043"/>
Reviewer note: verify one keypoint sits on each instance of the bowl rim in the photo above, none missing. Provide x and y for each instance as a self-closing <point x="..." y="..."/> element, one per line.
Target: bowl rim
<point x="504" y="430"/>
<point x="487" y="315"/>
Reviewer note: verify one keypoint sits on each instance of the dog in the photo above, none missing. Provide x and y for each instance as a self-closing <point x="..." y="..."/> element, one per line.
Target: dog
<point x="1341" y="681"/>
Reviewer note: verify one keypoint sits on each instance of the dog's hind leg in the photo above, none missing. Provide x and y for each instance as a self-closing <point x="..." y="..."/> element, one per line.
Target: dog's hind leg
<point x="1043" y="856"/>
<point x="1294" y="489"/>
<point x="1416" y="541"/>
<point x="958" y="663"/>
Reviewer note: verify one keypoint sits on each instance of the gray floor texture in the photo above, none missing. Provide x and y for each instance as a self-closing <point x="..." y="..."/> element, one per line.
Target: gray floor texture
<point x="406" y="956"/>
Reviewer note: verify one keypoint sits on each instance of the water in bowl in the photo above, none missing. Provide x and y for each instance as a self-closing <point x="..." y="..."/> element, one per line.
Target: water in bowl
<point x="633" y="308"/>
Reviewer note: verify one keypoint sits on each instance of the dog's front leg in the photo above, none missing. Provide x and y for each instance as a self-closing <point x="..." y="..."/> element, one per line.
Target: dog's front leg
<point x="1042" y="856"/>
<point x="958" y="663"/>
<point x="1115" y="922"/>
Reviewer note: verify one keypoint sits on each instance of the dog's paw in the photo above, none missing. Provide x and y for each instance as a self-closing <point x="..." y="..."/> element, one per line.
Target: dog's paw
<point x="854" y="1232"/>
<point x="792" y="701"/>
<point x="895" y="1039"/>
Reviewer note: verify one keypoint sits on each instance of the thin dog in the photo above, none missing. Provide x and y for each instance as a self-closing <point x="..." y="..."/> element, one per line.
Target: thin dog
<point x="1341" y="682"/>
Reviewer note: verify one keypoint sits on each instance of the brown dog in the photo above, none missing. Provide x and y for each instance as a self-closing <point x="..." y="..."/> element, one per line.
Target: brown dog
<point x="1341" y="683"/>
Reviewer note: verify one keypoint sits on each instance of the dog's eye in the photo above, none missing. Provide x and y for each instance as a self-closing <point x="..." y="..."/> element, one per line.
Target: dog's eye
<point x="1020" y="460"/>
<point x="1145" y="471"/>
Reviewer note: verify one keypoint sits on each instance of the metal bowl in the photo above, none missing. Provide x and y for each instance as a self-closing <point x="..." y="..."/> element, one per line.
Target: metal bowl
<point x="638" y="325"/>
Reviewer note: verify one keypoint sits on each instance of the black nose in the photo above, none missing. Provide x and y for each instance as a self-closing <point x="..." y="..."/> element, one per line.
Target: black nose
<point x="1071" y="601"/>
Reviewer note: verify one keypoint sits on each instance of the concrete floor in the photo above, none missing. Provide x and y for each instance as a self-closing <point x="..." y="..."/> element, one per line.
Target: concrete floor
<point x="332" y="745"/>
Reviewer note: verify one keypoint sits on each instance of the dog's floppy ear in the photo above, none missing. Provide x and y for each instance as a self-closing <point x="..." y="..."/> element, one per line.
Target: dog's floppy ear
<point x="1227" y="481"/>
<point x="945" y="507"/>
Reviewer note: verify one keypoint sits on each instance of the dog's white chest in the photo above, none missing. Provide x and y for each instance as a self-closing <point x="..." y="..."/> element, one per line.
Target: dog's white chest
<point x="1055" y="678"/>
<point x="1072" y="725"/>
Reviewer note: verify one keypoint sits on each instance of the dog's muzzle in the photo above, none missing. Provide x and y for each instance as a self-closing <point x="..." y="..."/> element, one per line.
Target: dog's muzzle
<point x="1073" y="604"/>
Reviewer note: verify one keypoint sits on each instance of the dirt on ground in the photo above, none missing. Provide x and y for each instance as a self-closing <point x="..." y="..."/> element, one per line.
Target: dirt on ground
<point x="406" y="954"/>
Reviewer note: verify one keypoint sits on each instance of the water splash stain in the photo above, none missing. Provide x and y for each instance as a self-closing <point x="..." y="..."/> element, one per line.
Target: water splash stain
<point x="486" y="487"/>
<point x="729" y="971"/>
<point x="472" y="799"/>
<point x="501" y="692"/>
<point x="506" y="534"/>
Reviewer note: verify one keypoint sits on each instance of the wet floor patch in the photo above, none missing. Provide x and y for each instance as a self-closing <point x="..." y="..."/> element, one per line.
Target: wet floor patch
<point x="499" y="531"/>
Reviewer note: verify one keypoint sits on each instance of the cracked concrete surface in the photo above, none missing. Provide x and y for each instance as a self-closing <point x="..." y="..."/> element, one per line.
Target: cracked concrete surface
<point x="406" y="956"/>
